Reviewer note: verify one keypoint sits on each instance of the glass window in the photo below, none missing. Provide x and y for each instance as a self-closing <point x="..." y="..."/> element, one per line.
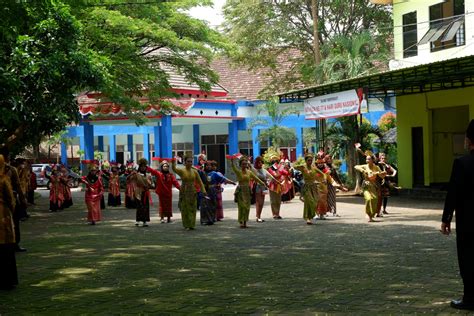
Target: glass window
<point x="208" y="139"/>
<point x="222" y="139"/>
<point x="410" y="35"/>
<point x="448" y="20"/>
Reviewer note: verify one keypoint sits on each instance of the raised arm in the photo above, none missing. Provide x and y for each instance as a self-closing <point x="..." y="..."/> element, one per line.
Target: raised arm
<point x="154" y="172"/>
<point x="176" y="169"/>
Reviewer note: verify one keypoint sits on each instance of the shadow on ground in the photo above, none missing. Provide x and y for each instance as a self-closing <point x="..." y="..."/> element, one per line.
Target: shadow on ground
<point x="278" y="267"/>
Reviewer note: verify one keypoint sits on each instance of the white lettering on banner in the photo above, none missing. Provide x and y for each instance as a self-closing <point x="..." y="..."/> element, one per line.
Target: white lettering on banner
<point x="332" y="105"/>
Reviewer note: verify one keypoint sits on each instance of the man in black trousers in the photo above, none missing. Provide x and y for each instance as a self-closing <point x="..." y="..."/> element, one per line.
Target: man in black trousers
<point x="460" y="198"/>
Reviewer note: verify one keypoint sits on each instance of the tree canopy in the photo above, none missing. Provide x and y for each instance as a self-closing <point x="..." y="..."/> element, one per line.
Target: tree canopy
<point x="265" y="30"/>
<point x="52" y="50"/>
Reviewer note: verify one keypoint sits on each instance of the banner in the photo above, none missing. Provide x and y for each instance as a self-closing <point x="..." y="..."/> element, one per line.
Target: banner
<point x="332" y="105"/>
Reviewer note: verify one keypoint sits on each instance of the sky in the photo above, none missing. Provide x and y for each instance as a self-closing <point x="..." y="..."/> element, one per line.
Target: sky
<point x="213" y="15"/>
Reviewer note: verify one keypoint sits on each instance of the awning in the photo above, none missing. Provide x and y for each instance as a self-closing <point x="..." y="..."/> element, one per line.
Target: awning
<point x="441" y="75"/>
<point x="108" y="108"/>
<point x="444" y="30"/>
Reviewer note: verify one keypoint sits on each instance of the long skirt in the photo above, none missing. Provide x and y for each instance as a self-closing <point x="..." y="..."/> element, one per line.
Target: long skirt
<point x="288" y="196"/>
<point x="94" y="213"/>
<point x="8" y="272"/>
<point x="219" y="207"/>
<point x="371" y="196"/>
<point x="114" y="200"/>
<point x="130" y="202"/>
<point x="207" y="209"/>
<point x="243" y="195"/>
<point x="322" y="203"/>
<point x="332" y="199"/>
<point x="275" y="201"/>
<point x="310" y="196"/>
<point x="143" y="207"/>
<point x="165" y="205"/>
<point x="102" y="203"/>
<point x="188" y="205"/>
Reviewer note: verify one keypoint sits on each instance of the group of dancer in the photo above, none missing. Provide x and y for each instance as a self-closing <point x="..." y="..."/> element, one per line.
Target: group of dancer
<point x="202" y="185"/>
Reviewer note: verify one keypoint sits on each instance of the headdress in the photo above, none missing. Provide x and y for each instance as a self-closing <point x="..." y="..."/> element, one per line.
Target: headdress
<point x="242" y="159"/>
<point x="271" y="154"/>
<point x="470" y="131"/>
<point x="187" y="156"/>
<point x="308" y="155"/>
<point x="369" y="153"/>
<point x="91" y="164"/>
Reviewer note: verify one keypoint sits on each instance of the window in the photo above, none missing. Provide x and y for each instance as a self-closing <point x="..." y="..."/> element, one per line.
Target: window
<point x="410" y="35"/>
<point x="447" y="27"/>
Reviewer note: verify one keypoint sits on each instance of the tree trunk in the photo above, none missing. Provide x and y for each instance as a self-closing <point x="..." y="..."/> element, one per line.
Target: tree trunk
<point x="36" y="153"/>
<point x="316" y="47"/>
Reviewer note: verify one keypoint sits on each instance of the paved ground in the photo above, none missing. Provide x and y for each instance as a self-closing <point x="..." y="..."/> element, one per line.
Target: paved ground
<point x="399" y="265"/>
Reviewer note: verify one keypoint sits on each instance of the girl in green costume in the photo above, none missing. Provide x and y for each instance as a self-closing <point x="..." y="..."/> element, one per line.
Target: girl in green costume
<point x="243" y="192"/>
<point x="309" y="193"/>
<point x="187" y="194"/>
<point x="370" y="172"/>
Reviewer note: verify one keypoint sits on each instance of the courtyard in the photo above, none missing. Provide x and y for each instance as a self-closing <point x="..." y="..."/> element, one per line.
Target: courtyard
<point x="398" y="265"/>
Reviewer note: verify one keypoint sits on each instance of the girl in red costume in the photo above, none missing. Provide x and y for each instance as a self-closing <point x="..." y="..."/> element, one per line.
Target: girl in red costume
<point x="94" y="193"/>
<point x="164" y="184"/>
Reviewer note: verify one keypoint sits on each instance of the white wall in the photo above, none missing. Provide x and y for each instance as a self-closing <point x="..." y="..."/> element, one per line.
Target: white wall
<point x="424" y="52"/>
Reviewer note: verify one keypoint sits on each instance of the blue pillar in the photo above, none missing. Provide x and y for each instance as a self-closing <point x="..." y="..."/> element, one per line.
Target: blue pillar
<point x="88" y="140"/>
<point x="146" y="146"/>
<point x="112" y="148"/>
<point x="166" y="137"/>
<point x="196" y="143"/>
<point x="233" y="138"/>
<point x="156" y="133"/>
<point x="255" y="142"/>
<point x="299" y="142"/>
<point x="63" y="154"/>
<point x="130" y="145"/>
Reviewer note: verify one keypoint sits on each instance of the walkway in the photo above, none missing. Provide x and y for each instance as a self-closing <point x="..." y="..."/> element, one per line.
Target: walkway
<point x="400" y="265"/>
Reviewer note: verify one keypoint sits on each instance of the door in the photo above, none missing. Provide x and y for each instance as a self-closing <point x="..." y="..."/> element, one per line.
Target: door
<point x="417" y="156"/>
<point x="217" y="153"/>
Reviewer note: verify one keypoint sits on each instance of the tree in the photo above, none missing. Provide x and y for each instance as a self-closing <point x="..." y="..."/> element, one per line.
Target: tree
<point x="264" y="30"/>
<point x="140" y="41"/>
<point x="57" y="49"/>
<point x="273" y="128"/>
<point x="42" y="66"/>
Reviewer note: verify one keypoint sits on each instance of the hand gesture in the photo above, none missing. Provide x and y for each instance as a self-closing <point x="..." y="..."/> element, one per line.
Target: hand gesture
<point x="357" y="145"/>
<point x="445" y="228"/>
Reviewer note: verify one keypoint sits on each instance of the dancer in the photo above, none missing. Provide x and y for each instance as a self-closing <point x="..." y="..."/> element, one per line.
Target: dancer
<point x="260" y="190"/>
<point x="56" y="191"/>
<point x="387" y="183"/>
<point x="243" y="193"/>
<point x="94" y="193"/>
<point x="331" y="170"/>
<point x="143" y="184"/>
<point x="276" y="189"/>
<point x="65" y="184"/>
<point x="165" y="181"/>
<point x="370" y="173"/>
<point x="309" y="192"/>
<point x="288" y="190"/>
<point x="187" y="193"/>
<point x="114" y="198"/>
<point x="8" y="270"/>
<point x="130" y="190"/>
<point x="217" y="179"/>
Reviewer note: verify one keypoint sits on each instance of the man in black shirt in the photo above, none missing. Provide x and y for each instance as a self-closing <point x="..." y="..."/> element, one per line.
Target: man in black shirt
<point x="460" y="198"/>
